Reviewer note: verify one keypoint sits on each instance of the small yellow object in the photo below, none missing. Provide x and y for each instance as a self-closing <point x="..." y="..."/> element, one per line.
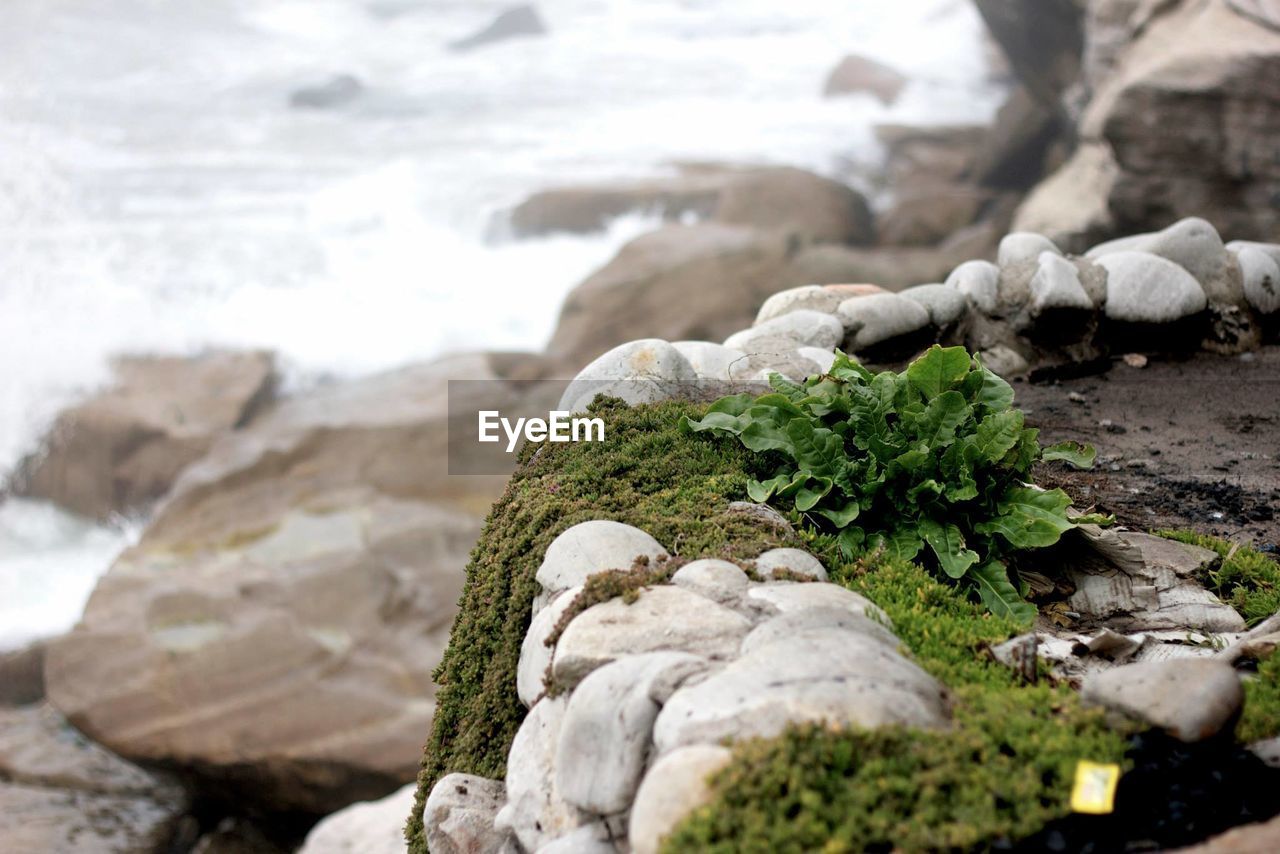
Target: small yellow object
<point x="1095" y="789"/>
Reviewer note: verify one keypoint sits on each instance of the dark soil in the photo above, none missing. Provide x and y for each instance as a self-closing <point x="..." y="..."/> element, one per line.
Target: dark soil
<point x="1182" y="443"/>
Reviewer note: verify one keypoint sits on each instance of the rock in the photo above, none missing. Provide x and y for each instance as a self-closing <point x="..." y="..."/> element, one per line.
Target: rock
<point x="1070" y="206"/>
<point x="979" y="282"/>
<point x="604" y="739"/>
<point x="891" y="267"/>
<point x="1143" y="582"/>
<point x="591" y="547"/>
<point x="1261" y="274"/>
<point x="820" y="357"/>
<point x="809" y="297"/>
<point x="928" y="215"/>
<point x="535" y="654"/>
<point x="337" y="91"/>
<point x="22" y="675"/>
<point x="874" y="319"/>
<point x="681" y="282"/>
<point x="709" y="361"/>
<point x="675" y="786"/>
<point x="598" y="837"/>
<point x="765" y="515"/>
<point x="759" y="366"/>
<point x="798" y="203"/>
<point x="858" y="681"/>
<point x="516" y="22"/>
<point x="61" y="792"/>
<point x="1014" y="151"/>
<point x="1255" y="838"/>
<point x="235" y="835"/>
<point x="769" y="564"/>
<point x="535" y="810"/>
<point x="1023" y="247"/>
<point x="799" y="328"/>
<point x="124" y="448"/>
<point x="292" y="665"/>
<point x="787" y="597"/>
<point x="1192" y="244"/>
<point x="819" y="620"/>
<point x="945" y="304"/>
<point x="374" y="827"/>
<point x="1268" y="751"/>
<point x="717" y="580"/>
<point x="1145" y="288"/>
<point x="459" y="814"/>
<point x="859" y="75"/>
<point x="582" y="209"/>
<point x="1004" y="361"/>
<point x="1056" y="285"/>
<point x="1191" y="699"/>
<point x="1042" y="40"/>
<point x="662" y="618"/>
<point x="1264" y="12"/>
<point x="929" y="156"/>
<point x="642" y="371"/>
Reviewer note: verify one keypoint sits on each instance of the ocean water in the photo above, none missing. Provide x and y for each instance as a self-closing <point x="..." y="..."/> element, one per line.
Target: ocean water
<point x="158" y="193"/>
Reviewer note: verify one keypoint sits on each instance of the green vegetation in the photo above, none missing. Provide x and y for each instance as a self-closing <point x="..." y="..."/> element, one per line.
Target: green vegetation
<point x="648" y="474"/>
<point x="1249" y="581"/>
<point x="1003" y="771"/>
<point x="933" y="456"/>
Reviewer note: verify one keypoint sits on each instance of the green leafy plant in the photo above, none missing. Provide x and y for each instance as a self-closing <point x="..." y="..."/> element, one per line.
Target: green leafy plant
<point x="933" y="458"/>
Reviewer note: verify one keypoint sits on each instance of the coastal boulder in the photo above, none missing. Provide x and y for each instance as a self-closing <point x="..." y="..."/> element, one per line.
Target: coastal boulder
<point x="861" y="75"/>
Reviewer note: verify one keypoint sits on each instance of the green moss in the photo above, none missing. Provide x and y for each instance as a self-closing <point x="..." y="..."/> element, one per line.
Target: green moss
<point x="1250" y="581"/>
<point x="648" y="474"/>
<point x="1003" y="771"/>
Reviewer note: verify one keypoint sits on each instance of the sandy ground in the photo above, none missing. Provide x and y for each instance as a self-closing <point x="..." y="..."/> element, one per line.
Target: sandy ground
<point x="1192" y="443"/>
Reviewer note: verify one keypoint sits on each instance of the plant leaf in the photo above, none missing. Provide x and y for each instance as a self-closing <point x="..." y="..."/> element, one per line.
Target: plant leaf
<point x="1030" y="518"/>
<point x="998" y="594"/>
<point x="939" y="369"/>
<point x="1076" y="456"/>
<point x="948" y="545"/>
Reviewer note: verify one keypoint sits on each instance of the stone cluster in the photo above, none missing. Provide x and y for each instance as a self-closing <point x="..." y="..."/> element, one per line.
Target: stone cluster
<point x="631" y="701"/>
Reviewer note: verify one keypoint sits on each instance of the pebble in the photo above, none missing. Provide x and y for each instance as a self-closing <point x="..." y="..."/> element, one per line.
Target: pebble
<point x="1190" y="698"/>
<point x="810" y="297"/>
<point x="459" y="815"/>
<point x="1145" y="288"/>
<point x="644" y="371"/>
<point x="591" y="547"/>
<point x="535" y="655"/>
<point x="877" y="318"/>
<point x="945" y="304"/>
<point x="1023" y="247"/>
<point x="675" y="786"/>
<point x="1261" y="273"/>
<point x="979" y="281"/>
<point x="1056" y="284"/>
<point x="769" y="563"/>
<point x="709" y="361"/>
<point x="801" y="328"/>
<point x="718" y="580"/>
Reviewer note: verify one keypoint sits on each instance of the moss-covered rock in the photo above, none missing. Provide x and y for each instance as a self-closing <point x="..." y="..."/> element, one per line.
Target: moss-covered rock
<point x="647" y="474"/>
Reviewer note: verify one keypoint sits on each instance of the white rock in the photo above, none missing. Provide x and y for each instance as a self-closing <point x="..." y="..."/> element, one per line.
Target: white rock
<point x="1146" y="288"/>
<point x="718" y="580"/>
<point x="838" y="676"/>
<point x="810" y="297"/>
<point x="788" y="362"/>
<point x="1023" y="247"/>
<point x="675" y="786"/>
<point x="1190" y="698"/>
<point x="607" y="727"/>
<point x="591" y="547"/>
<point x="945" y="304"/>
<point x="535" y="655"/>
<point x="788" y="597"/>
<point x="823" y="359"/>
<point x="642" y="371"/>
<point x="979" y="281"/>
<point x="1270" y="249"/>
<point x="816" y="622"/>
<point x="710" y="361"/>
<point x="593" y="838"/>
<point x="662" y="618"/>
<point x="803" y="327"/>
<point x="535" y="811"/>
<point x="459" y="814"/>
<point x="1261" y="273"/>
<point x="879" y="317"/>
<point x="371" y="827"/>
<point x="796" y="560"/>
<point x="1056" y="284"/>
<point x="1005" y="361"/>
<point x="1191" y="243"/>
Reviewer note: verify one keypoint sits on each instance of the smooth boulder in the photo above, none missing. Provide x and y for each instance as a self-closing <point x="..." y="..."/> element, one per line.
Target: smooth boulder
<point x="591" y="547"/>
<point x="856" y="75"/>
<point x="1192" y="698"/>
<point x="371" y="827"/>
<point x="675" y="786"/>
<point x="642" y="371"/>
<point x="877" y="318"/>
<point x="458" y="817"/>
<point x="1145" y="288"/>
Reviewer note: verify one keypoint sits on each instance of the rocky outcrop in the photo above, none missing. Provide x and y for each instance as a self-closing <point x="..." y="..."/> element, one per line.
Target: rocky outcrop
<point x="274" y="631"/>
<point x="123" y="449"/>
<point x="771" y="198"/>
<point x="1042" y="40"/>
<point x="1204" y="74"/>
<point x="640" y="694"/>
<point x="516" y="22"/>
<point x="59" y="792"/>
